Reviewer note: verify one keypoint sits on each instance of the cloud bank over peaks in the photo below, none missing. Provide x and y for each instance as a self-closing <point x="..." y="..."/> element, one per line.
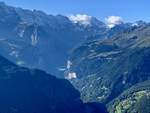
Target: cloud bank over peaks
<point x="86" y="20"/>
<point x="111" y="21"/>
<point x="81" y="19"/>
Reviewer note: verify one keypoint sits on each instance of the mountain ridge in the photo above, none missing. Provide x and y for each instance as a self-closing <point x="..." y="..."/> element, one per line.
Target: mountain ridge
<point x="43" y="36"/>
<point x="31" y="90"/>
<point x="106" y="67"/>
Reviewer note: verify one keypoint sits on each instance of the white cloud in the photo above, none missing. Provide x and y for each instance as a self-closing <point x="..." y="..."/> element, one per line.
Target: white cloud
<point x="61" y="69"/>
<point x="71" y="75"/>
<point x="82" y="19"/>
<point x="111" y="21"/>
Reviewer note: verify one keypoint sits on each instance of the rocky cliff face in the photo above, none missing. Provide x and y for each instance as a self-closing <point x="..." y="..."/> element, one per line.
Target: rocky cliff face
<point x="37" y="40"/>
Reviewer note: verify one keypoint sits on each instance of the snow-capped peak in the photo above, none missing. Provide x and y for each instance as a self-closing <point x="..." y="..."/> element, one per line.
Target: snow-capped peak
<point x="139" y="23"/>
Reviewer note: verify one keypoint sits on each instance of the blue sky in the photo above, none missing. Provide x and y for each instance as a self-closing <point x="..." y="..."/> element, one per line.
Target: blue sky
<point x="129" y="10"/>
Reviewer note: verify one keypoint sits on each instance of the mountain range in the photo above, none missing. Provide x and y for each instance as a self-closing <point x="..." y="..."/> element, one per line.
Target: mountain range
<point x="107" y="66"/>
<point x="38" y="40"/>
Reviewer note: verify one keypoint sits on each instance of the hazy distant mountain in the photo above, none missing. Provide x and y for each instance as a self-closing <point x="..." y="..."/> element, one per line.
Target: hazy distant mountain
<point x="35" y="39"/>
<point x="105" y="68"/>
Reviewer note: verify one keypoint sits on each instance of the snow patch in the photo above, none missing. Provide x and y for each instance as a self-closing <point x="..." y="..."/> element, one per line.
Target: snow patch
<point x="135" y="24"/>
